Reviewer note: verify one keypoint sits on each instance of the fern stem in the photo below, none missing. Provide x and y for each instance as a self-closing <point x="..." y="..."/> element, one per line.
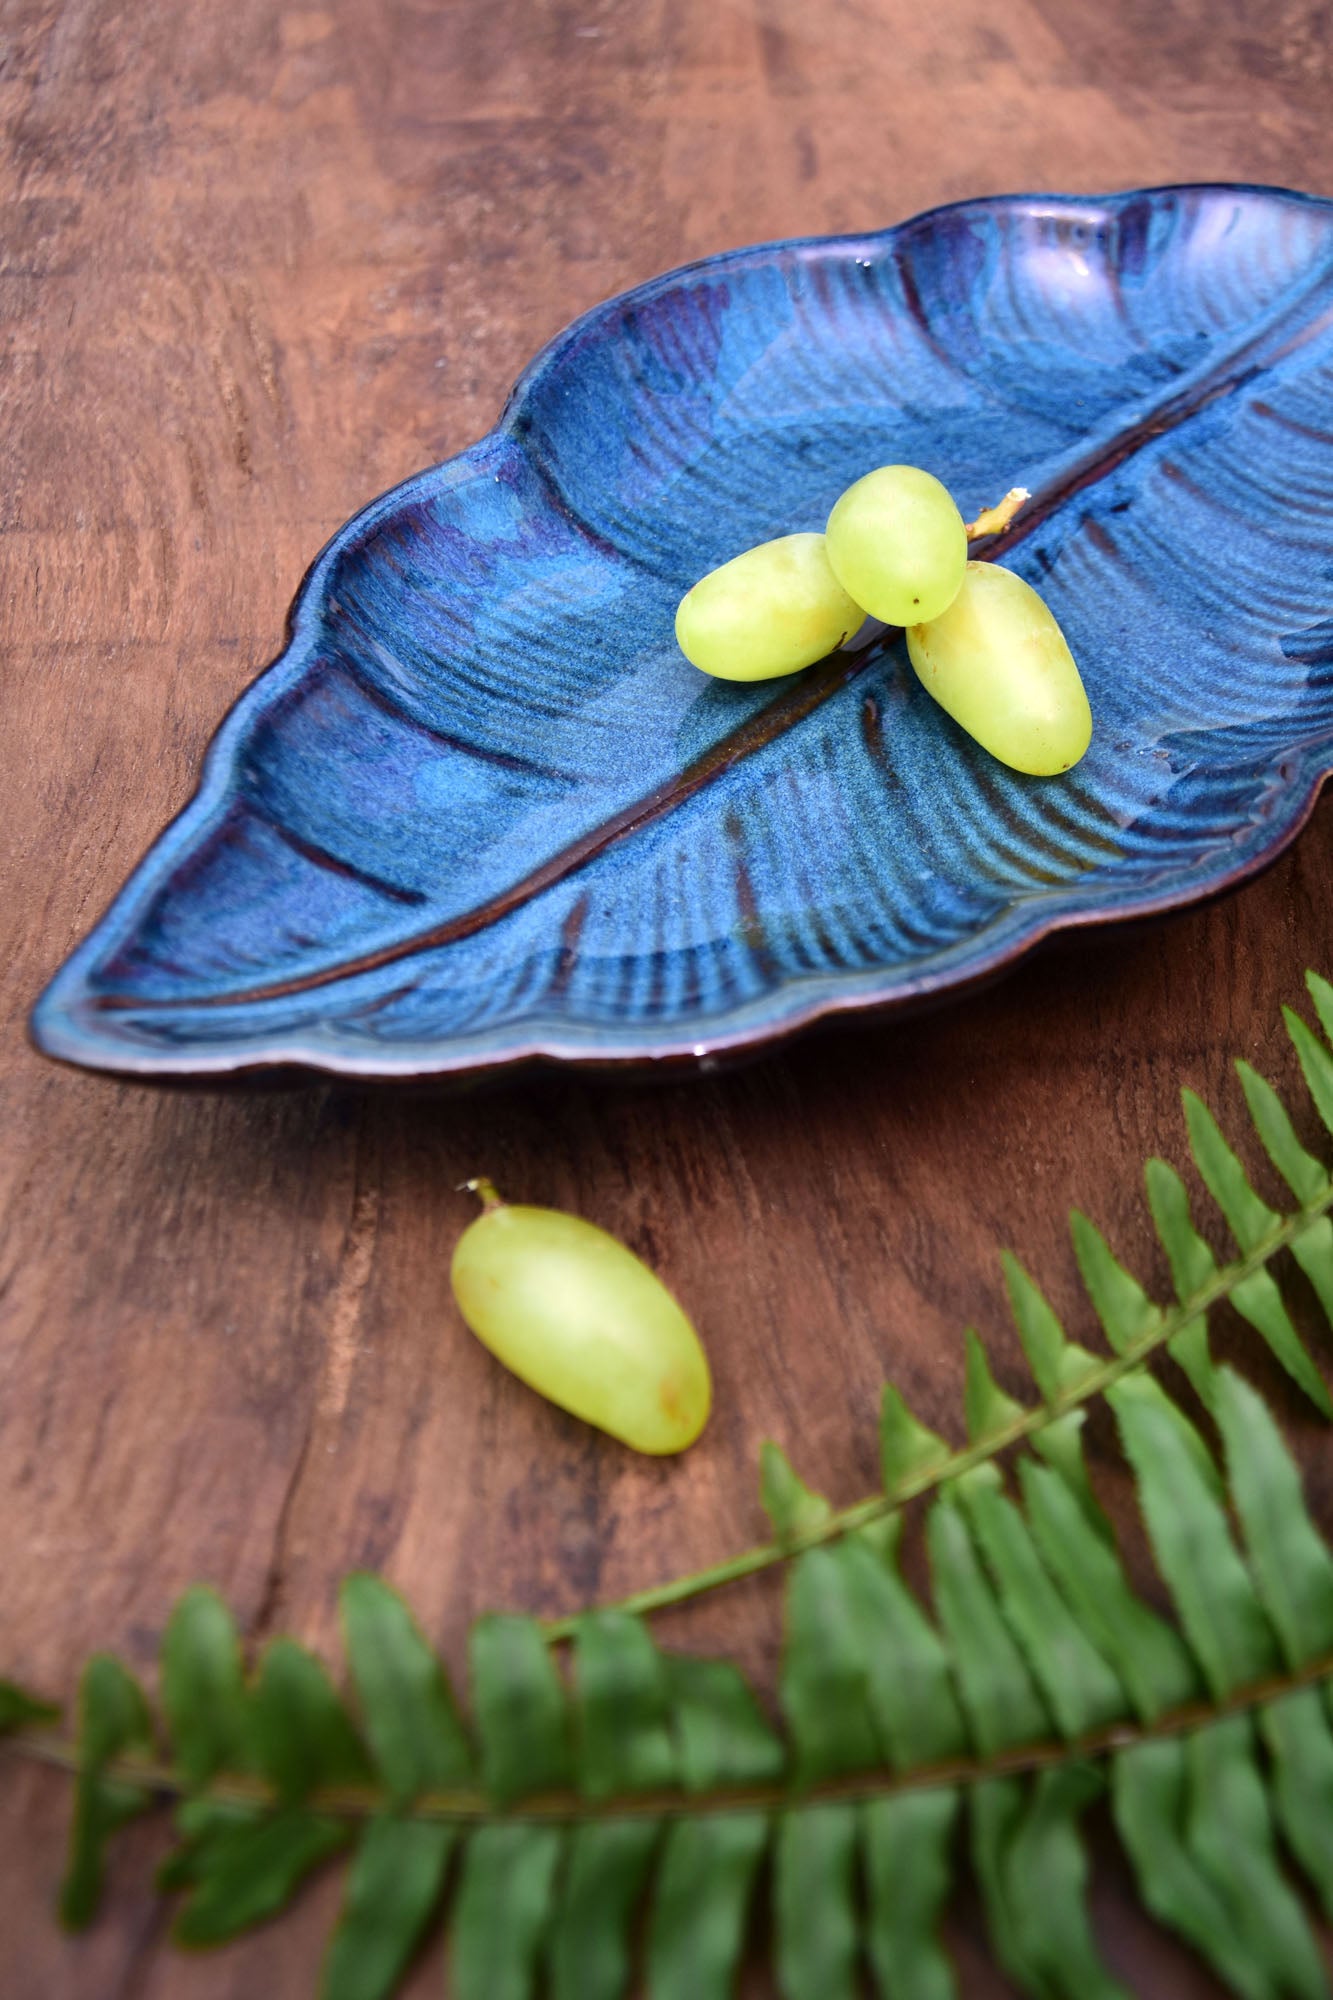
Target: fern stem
<point x="877" y="1506"/>
<point x="469" y="1805"/>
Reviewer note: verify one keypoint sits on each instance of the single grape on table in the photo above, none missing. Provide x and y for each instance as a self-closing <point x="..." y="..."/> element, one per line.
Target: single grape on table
<point x="582" y="1321"/>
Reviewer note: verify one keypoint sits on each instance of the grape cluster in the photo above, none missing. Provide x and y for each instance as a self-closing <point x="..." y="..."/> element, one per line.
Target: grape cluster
<point x="982" y="641"/>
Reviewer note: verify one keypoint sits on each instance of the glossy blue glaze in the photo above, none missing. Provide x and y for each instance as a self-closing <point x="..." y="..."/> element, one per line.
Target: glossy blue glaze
<point x="482" y="809"/>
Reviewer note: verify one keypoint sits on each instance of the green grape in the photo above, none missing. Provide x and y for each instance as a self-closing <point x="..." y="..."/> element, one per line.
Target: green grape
<point x="897" y="542"/>
<point x="1000" y="665"/>
<point x="578" y="1318"/>
<point x="772" y="611"/>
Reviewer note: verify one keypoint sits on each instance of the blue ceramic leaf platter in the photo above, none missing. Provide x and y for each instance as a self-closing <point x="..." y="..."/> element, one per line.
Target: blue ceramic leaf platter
<point x="482" y="811"/>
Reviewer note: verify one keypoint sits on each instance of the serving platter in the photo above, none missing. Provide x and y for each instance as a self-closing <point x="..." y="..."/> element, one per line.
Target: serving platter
<point x="481" y="812"/>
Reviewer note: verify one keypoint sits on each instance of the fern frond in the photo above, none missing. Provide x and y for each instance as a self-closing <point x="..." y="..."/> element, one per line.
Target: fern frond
<point x="624" y="1793"/>
<point x="1036" y="1678"/>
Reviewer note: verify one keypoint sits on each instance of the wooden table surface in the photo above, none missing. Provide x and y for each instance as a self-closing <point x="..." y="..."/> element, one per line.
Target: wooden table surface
<point x="257" y="265"/>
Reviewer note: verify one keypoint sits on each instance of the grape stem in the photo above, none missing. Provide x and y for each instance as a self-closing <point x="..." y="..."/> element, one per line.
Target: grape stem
<point x="485" y="1192"/>
<point x="994" y="520"/>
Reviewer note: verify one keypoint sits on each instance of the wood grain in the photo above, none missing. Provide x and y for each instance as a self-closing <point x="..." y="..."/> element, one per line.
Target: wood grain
<point x="256" y="265"/>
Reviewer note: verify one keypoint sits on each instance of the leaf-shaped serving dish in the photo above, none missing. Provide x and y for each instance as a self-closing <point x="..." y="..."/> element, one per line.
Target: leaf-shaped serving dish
<point x="481" y="810"/>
